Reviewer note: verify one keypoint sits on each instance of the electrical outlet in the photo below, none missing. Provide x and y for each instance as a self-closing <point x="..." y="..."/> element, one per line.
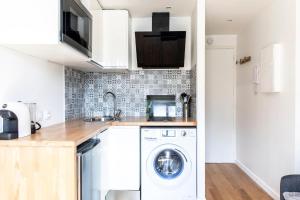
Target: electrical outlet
<point x="46" y="115"/>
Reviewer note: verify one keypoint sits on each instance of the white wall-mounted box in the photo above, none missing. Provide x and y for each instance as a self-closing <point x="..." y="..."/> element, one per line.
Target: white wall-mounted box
<point x="270" y="69"/>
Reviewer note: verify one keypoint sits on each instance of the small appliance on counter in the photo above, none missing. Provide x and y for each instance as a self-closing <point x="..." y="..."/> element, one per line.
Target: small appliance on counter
<point x="33" y="119"/>
<point x="14" y="121"/>
<point x="161" y="107"/>
<point x="186" y="107"/>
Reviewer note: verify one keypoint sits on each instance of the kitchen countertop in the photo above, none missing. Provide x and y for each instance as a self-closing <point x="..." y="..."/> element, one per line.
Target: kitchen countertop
<point x="142" y="121"/>
<point x="73" y="133"/>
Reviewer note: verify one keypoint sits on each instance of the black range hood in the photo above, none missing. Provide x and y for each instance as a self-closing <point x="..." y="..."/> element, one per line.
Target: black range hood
<point x="161" y="48"/>
<point x="160" y="22"/>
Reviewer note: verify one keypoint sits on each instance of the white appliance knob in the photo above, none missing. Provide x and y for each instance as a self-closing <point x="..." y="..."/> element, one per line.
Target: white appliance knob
<point x="184" y="133"/>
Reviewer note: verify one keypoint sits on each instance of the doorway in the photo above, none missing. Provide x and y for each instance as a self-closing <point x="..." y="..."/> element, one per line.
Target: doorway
<point x="220" y="105"/>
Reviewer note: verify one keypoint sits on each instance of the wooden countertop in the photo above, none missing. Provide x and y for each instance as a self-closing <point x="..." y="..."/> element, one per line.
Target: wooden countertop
<point x="70" y="133"/>
<point x="76" y="132"/>
<point x="142" y="121"/>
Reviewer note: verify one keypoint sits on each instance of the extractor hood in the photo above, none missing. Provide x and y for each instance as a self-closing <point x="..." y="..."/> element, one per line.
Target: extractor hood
<point x="161" y="48"/>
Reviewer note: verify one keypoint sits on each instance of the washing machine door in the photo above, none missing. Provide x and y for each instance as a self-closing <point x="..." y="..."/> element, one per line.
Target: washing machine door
<point x="168" y="165"/>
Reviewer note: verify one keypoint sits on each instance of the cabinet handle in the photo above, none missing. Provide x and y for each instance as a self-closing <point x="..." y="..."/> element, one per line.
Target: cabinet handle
<point x="79" y="176"/>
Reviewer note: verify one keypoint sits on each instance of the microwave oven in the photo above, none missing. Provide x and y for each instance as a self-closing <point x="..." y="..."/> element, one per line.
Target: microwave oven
<point x="76" y="26"/>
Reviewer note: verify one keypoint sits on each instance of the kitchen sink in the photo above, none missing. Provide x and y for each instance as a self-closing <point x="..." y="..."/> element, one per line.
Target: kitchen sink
<point x="99" y="119"/>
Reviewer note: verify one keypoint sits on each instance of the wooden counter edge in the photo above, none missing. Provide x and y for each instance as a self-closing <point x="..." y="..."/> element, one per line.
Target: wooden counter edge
<point x="68" y="140"/>
<point x="183" y="124"/>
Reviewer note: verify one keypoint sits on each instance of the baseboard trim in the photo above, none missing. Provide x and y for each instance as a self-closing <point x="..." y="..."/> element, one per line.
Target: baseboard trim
<point x="258" y="181"/>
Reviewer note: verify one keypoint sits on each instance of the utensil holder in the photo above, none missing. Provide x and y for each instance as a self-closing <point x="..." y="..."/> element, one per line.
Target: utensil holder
<point x="185" y="111"/>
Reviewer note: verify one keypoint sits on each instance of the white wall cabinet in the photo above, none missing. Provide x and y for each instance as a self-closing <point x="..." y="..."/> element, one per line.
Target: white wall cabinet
<point x="111" y="38"/>
<point x="97" y="37"/>
<point x="33" y="27"/>
<point x="97" y="53"/>
<point x="116" y="39"/>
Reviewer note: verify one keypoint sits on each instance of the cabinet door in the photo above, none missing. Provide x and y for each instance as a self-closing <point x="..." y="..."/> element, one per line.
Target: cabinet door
<point x="115" y="39"/>
<point x="102" y="155"/>
<point x="31" y="22"/>
<point x="121" y="159"/>
<point x="97" y="40"/>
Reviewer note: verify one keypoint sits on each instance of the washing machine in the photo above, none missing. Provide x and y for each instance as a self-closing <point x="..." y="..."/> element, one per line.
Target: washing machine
<point x="168" y="163"/>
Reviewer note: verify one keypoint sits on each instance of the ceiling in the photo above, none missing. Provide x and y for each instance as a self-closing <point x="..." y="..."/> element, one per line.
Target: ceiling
<point x="219" y="14"/>
<point x="144" y="8"/>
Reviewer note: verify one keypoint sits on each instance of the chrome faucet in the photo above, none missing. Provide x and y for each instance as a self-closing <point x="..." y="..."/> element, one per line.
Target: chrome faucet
<point x="116" y="114"/>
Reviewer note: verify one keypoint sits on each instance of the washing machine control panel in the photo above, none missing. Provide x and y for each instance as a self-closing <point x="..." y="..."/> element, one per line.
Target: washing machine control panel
<point x="156" y="133"/>
<point x="183" y="133"/>
<point x="168" y="133"/>
<point x="178" y="133"/>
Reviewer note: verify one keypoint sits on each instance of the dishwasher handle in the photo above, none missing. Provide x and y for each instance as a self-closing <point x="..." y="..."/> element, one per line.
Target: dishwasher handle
<point x="87" y="146"/>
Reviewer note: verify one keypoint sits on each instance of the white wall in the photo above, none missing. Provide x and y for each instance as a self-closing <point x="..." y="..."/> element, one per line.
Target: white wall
<point x="221" y="41"/>
<point x="176" y="24"/>
<point x="265" y="122"/>
<point x="28" y="79"/>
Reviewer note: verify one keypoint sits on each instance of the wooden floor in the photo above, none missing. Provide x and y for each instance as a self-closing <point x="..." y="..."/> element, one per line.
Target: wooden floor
<point x="229" y="182"/>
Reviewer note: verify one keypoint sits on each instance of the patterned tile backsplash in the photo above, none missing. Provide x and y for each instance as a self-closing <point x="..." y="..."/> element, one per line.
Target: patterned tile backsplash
<point x="131" y="89"/>
<point x="193" y="90"/>
<point x="74" y="94"/>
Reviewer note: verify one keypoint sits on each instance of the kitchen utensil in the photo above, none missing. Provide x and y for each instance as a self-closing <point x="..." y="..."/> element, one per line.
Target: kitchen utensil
<point x="185" y="99"/>
<point x="33" y="119"/>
